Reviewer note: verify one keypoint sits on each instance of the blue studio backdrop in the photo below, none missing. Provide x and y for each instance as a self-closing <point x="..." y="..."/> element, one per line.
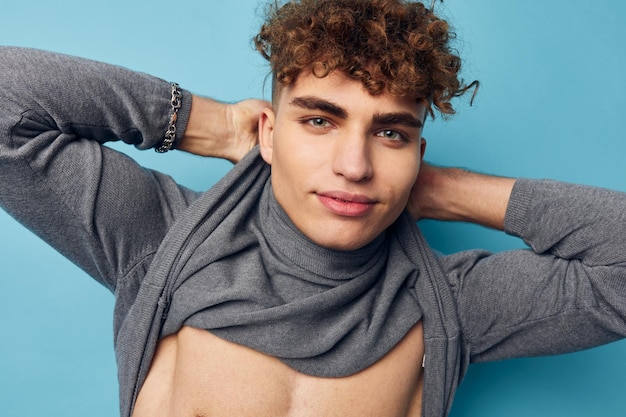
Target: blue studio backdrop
<point x="550" y="105"/>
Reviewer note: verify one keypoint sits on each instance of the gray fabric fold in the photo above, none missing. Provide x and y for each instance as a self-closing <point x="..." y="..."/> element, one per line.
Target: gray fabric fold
<point x="236" y="266"/>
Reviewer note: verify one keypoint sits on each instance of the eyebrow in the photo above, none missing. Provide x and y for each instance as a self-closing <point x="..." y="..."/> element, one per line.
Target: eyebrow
<point x="315" y="103"/>
<point x="393" y="118"/>
<point x="398" y="118"/>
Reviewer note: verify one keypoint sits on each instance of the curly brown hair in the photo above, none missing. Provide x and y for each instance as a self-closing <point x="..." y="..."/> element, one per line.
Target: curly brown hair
<point x="390" y="46"/>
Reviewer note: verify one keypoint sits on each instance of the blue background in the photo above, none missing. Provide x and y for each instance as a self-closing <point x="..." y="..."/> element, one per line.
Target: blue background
<point x="550" y="105"/>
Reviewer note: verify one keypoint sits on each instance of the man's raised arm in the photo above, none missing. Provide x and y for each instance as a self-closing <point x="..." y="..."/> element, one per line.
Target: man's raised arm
<point x="455" y="194"/>
<point x="567" y="293"/>
<point x="96" y="206"/>
<point x="226" y="131"/>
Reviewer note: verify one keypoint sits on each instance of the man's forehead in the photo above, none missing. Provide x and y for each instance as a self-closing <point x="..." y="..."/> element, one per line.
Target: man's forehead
<point x="339" y="94"/>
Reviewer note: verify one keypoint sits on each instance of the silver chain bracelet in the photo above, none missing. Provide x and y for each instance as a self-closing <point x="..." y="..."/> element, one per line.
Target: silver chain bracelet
<point x="170" y="133"/>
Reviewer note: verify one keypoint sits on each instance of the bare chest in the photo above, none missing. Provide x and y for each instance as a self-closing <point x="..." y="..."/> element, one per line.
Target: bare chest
<point x="196" y="374"/>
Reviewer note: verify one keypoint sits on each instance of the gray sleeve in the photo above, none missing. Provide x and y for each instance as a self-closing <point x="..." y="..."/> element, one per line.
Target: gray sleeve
<point x="94" y="205"/>
<point x="566" y="293"/>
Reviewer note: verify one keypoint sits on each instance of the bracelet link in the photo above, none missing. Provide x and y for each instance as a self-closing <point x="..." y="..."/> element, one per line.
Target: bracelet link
<point x="170" y="133"/>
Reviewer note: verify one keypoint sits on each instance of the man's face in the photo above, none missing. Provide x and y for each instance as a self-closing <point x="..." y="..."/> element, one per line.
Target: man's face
<point x="343" y="161"/>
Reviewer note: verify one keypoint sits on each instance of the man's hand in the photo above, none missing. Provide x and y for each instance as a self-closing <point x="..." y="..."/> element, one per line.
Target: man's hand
<point x="222" y="130"/>
<point x="421" y="204"/>
<point x="455" y="194"/>
<point x="244" y="122"/>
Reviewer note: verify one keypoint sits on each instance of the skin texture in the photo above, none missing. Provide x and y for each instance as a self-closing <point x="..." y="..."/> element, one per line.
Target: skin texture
<point x="196" y="374"/>
<point x="229" y="131"/>
<point x="343" y="161"/>
<point x="454" y="194"/>
<point x="222" y="130"/>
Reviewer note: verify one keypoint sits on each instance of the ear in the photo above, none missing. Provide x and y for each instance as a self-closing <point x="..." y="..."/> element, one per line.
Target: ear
<point x="422" y="148"/>
<point x="266" y="134"/>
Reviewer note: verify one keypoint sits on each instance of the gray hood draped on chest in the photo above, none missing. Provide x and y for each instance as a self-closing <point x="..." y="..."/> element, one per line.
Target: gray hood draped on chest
<point x="235" y="265"/>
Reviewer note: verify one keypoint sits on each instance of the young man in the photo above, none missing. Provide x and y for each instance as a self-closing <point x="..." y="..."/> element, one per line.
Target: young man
<point x="318" y="292"/>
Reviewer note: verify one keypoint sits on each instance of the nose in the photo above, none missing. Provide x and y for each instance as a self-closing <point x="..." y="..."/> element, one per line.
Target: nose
<point x="352" y="158"/>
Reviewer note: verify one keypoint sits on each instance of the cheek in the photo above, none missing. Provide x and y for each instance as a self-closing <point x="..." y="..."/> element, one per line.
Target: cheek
<point x="291" y="161"/>
<point x="298" y="155"/>
<point x="402" y="177"/>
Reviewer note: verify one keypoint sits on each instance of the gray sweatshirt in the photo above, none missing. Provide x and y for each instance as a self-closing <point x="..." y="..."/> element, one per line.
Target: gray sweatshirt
<point x="230" y="261"/>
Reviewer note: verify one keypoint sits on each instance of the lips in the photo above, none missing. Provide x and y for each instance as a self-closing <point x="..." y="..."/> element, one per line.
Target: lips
<point x="346" y="204"/>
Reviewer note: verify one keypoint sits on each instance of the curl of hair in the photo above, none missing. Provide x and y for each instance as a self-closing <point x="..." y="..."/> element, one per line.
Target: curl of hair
<point x="389" y="46"/>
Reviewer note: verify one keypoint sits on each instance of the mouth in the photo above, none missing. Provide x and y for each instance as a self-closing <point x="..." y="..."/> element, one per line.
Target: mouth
<point x="346" y="204"/>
